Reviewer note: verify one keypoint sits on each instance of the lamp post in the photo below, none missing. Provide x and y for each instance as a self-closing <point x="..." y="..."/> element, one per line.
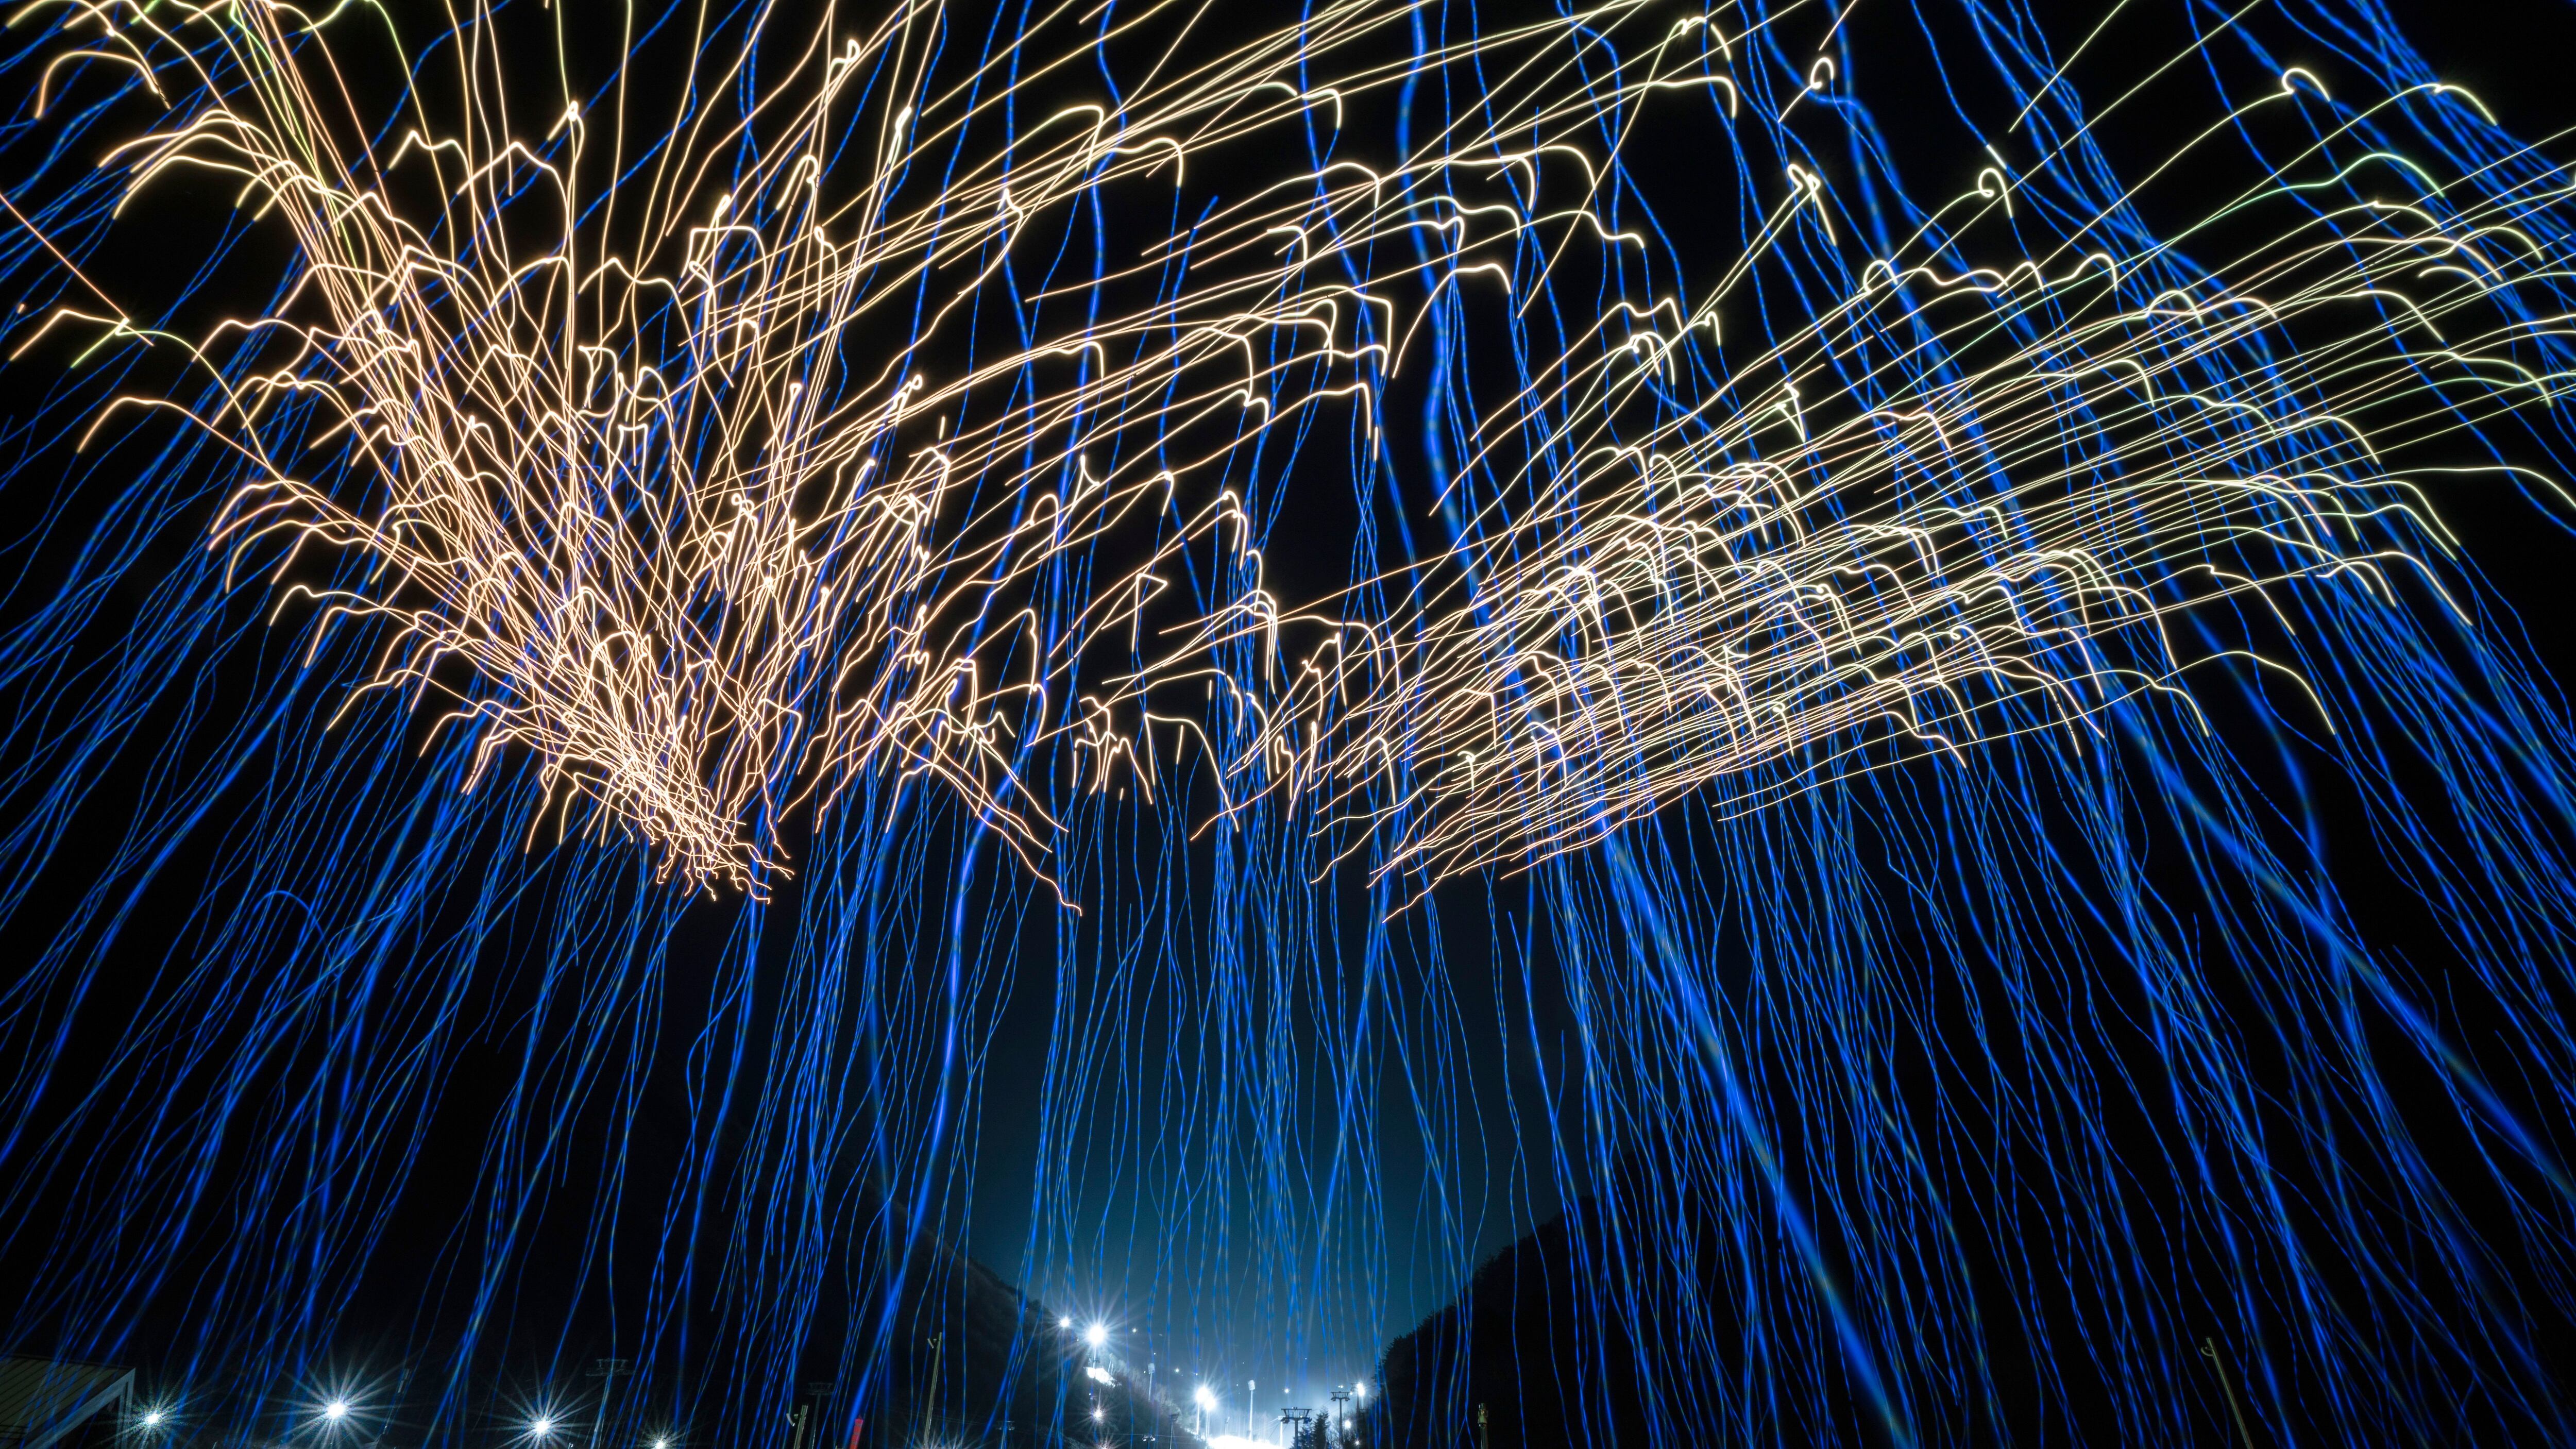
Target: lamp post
<point x="938" y="1363"/>
<point x="606" y="1371"/>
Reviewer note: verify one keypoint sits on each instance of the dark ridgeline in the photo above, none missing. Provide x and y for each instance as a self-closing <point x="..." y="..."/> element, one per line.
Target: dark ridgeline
<point x="948" y="1379"/>
<point x="966" y="1362"/>
<point x="1606" y="1329"/>
<point x="1532" y="1345"/>
<point x="50" y="1404"/>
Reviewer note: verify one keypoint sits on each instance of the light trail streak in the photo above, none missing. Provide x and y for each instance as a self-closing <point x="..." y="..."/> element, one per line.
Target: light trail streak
<point x="1954" y="507"/>
<point x="718" y="578"/>
<point x="635" y="481"/>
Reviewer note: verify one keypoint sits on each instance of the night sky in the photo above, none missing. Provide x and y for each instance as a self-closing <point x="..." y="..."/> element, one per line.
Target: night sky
<point x="1469" y="990"/>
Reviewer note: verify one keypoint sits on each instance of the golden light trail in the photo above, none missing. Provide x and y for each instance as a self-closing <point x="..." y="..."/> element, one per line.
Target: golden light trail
<point x="663" y="488"/>
<point x="1838" y="556"/>
<point x="644" y="489"/>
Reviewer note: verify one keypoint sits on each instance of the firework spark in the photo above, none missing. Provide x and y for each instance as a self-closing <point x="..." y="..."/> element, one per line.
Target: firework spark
<point x="634" y="477"/>
<point x="808" y="416"/>
<point x="1957" y="506"/>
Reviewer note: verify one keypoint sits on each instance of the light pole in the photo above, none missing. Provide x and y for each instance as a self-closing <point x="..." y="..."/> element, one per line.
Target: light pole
<point x="938" y="1362"/>
<point x="606" y="1371"/>
<point x="816" y="1391"/>
<point x="1094" y="1339"/>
